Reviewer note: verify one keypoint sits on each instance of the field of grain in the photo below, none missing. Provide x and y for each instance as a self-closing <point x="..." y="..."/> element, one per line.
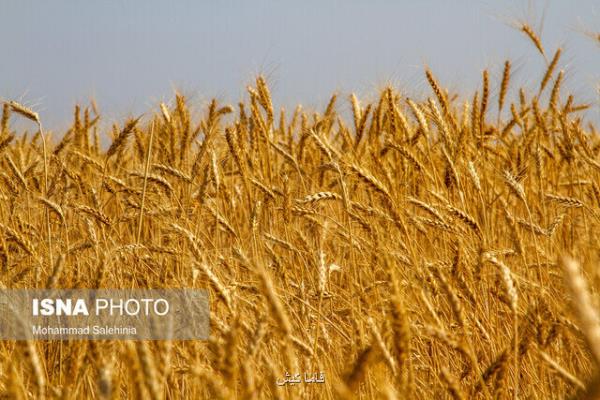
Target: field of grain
<point x="440" y="246"/>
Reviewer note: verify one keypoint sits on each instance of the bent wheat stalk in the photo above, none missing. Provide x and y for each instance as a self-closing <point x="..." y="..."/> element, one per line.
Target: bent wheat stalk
<point x="33" y="116"/>
<point x="146" y="169"/>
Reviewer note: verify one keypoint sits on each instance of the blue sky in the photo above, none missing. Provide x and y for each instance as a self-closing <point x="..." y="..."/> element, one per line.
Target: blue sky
<point x="130" y="55"/>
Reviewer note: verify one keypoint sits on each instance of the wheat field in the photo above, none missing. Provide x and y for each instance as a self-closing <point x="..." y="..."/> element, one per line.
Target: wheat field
<point x="441" y="246"/>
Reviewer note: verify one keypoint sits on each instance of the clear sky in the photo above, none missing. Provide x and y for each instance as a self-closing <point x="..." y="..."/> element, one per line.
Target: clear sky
<point x="130" y="55"/>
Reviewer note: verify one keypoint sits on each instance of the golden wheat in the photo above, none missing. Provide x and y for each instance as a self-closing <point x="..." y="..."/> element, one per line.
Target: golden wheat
<point x="413" y="251"/>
